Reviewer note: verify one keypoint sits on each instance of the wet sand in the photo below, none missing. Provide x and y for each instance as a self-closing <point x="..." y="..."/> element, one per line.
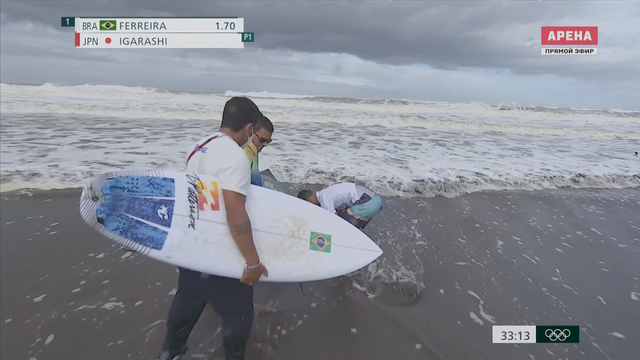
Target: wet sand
<point x="452" y="268"/>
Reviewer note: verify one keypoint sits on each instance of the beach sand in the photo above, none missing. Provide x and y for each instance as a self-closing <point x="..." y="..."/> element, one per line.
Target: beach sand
<point x="452" y="268"/>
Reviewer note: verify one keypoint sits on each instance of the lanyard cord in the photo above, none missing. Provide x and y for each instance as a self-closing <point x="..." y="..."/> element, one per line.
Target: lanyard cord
<point x="202" y="145"/>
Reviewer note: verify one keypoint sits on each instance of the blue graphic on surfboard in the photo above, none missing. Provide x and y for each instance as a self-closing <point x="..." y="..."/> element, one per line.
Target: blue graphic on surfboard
<point x="137" y="208"/>
<point x="140" y="186"/>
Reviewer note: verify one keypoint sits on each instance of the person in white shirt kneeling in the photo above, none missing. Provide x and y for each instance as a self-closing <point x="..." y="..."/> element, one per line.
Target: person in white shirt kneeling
<point x="352" y="202"/>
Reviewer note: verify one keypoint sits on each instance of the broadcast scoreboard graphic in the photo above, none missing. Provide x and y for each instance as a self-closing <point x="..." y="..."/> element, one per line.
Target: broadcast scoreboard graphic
<point x="535" y="334"/>
<point x="164" y="33"/>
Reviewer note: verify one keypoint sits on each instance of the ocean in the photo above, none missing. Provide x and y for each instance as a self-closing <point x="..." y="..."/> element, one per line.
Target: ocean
<point x="56" y="136"/>
<point x="493" y="215"/>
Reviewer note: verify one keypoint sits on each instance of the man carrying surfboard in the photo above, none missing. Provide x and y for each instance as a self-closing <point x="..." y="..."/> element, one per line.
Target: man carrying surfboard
<point x="262" y="132"/>
<point x="221" y="155"/>
<point x="352" y="202"/>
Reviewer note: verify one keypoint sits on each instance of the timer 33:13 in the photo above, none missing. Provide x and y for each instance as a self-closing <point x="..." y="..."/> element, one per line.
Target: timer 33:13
<point x="512" y="335"/>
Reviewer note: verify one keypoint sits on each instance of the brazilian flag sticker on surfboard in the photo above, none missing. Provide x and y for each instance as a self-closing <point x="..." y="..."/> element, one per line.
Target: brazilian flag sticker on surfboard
<point x="320" y="242"/>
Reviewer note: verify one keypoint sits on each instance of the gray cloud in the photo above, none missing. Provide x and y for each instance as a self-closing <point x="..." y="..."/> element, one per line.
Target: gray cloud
<point x="497" y="37"/>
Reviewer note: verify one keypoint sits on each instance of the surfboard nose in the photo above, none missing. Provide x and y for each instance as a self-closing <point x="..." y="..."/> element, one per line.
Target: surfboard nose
<point x="376" y="247"/>
<point x="376" y="250"/>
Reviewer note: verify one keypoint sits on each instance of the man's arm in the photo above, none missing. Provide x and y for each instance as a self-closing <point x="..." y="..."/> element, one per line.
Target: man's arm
<point x="240" y="225"/>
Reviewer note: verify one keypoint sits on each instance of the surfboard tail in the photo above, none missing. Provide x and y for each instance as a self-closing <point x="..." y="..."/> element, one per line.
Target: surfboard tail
<point x="106" y="201"/>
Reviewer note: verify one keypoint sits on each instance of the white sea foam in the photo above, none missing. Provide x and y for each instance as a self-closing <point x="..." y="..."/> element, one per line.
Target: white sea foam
<point x="57" y="136"/>
<point x="264" y="94"/>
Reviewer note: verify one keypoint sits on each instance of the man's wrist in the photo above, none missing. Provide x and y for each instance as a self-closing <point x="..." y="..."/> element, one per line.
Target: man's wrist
<point x="253" y="258"/>
<point x="251" y="267"/>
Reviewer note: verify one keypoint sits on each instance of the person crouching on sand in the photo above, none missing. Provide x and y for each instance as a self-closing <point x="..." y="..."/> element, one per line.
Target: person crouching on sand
<point x="352" y="202"/>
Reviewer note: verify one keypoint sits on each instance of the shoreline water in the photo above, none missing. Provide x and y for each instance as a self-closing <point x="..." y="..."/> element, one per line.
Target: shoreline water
<point x="452" y="268"/>
<point x="272" y="95"/>
<point x="437" y="190"/>
<point x="395" y="147"/>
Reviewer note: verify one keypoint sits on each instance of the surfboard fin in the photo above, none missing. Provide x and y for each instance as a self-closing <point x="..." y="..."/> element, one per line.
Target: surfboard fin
<point x="92" y="193"/>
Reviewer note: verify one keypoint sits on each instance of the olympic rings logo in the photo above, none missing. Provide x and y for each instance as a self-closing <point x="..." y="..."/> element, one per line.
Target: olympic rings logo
<point x="557" y="334"/>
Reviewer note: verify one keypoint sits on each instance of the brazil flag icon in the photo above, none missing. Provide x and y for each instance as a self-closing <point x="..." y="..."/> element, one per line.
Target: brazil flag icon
<point x="107" y="24"/>
<point x="320" y="242"/>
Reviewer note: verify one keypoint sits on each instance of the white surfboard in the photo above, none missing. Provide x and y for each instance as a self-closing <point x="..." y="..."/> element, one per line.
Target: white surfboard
<point x="179" y="218"/>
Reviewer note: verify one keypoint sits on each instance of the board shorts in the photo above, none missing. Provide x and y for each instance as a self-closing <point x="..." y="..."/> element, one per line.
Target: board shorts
<point x="360" y="213"/>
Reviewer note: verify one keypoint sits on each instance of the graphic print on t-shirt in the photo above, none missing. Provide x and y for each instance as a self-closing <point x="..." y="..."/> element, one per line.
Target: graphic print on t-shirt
<point x="208" y="197"/>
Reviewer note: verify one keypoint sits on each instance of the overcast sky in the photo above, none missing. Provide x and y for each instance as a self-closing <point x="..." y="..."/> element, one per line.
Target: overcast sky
<point x="443" y="51"/>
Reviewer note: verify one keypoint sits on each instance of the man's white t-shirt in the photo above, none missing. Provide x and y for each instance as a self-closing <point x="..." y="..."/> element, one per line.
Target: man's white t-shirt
<point x="223" y="158"/>
<point x="339" y="194"/>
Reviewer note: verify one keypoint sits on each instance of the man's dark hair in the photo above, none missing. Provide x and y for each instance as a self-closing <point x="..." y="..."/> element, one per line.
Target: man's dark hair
<point x="305" y="194"/>
<point x="239" y="112"/>
<point x="264" y="123"/>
